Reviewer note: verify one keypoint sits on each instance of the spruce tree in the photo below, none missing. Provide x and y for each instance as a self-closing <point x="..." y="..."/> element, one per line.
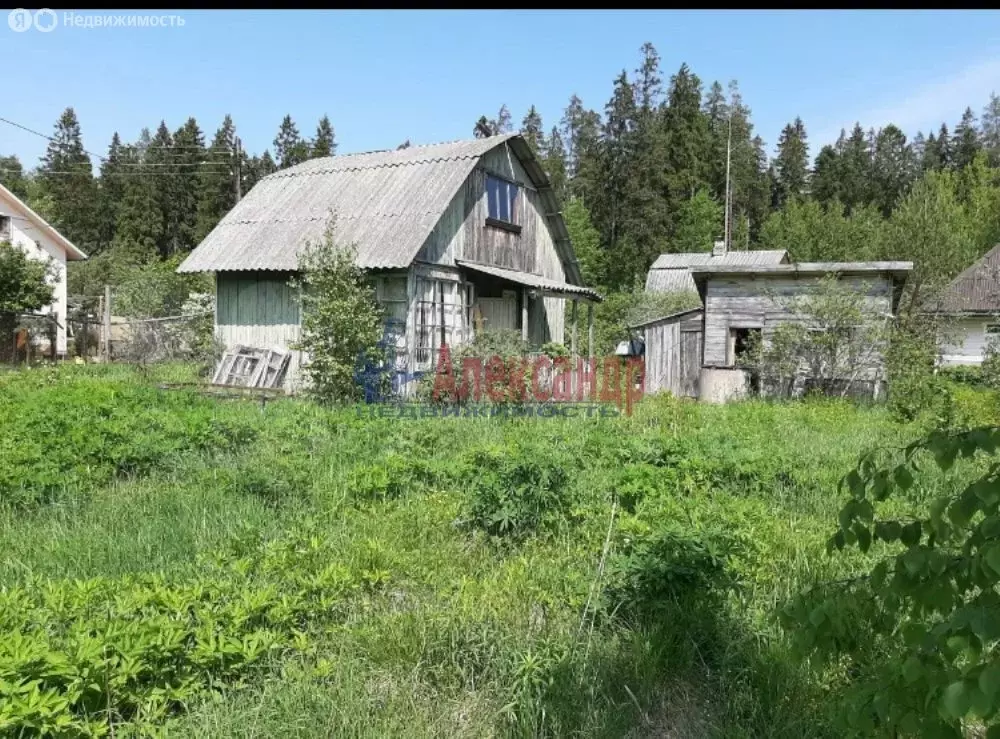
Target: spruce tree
<point x="159" y="167"/>
<point x="188" y="160"/>
<point x="289" y="148"/>
<point x="139" y="225"/>
<point x="855" y="170"/>
<point x="965" y="142"/>
<point x="687" y="141"/>
<point x="217" y="180"/>
<point x="717" y="114"/>
<point x="531" y="129"/>
<point x="946" y="156"/>
<point x="502" y="123"/>
<point x="990" y="129"/>
<point x="891" y="169"/>
<point x="324" y="144"/>
<point x="581" y="130"/>
<point x="791" y="164"/>
<point x="256" y="168"/>
<point x="111" y="188"/>
<point x="825" y="180"/>
<point x="931" y="160"/>
<point x="12" y="176"/>
<point x="67" y="181"/>
<point x="554" y="162"/>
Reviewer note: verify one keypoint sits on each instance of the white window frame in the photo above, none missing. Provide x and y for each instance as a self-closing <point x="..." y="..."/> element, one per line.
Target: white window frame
<point x="514" y="205"/>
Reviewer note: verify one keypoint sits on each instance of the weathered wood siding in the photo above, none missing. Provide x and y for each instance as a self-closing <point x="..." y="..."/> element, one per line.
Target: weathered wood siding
<point x="258" y="309"/>
<point x="756" y="301"/>
<point x="965" y="340"/>
<point x="673" y="355"/>
<point x="462" y="233"/>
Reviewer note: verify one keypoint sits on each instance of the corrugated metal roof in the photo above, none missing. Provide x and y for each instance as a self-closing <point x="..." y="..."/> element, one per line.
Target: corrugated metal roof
<point x="672" y="272"/>
<point x="546" y="284"/>
<point x="736" y="258"/>
<point x="670" y="281"/>
<point x="977" y="289"/>
<point x="385" y="202"/>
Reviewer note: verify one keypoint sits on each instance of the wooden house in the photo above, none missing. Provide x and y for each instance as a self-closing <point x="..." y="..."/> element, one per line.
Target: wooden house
<point x="457" y="237"/>
<point x="971" y="303"/>
<point x="741" y="301"/>
<point x="24" y="228"/>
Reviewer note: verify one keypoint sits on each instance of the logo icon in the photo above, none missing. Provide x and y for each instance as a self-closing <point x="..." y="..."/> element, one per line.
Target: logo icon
<point x="45" y="20"/>
<point x="20" y="20"/>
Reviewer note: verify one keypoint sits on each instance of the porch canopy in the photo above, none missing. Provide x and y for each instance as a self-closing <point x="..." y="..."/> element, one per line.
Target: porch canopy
<point x="545" y="287"/>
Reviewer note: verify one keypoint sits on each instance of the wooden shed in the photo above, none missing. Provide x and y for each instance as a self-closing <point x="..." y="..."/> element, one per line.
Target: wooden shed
<point x="673" y="349"/>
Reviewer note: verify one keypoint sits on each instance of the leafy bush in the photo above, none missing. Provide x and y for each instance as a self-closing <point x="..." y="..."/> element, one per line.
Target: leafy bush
<point x="518" y="492"/>
<point x="931" y="602"/>
<point x="655" y="572"/>
<point x="341" y="320"/>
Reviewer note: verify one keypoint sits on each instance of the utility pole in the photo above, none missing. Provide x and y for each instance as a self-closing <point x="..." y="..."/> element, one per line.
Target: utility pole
<point x="237" y="168"/>
<point x="729" y="147"/>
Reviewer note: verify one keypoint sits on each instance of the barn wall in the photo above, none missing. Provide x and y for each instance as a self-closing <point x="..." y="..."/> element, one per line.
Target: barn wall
<point x="755" y="301"/>
<point x="462" y="233"/>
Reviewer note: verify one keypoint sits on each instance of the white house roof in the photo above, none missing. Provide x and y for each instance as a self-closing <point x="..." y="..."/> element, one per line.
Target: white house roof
<point x="73" y="254"/>
<point x="385" y="202"/>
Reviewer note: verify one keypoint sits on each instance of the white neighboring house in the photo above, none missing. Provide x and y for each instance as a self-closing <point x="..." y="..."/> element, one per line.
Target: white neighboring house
<point x="972" y="301"/>
<point x="23" y="227"/>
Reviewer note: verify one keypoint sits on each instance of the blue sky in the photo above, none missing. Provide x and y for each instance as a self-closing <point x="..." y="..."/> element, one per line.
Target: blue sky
<point x="384" y="77"/>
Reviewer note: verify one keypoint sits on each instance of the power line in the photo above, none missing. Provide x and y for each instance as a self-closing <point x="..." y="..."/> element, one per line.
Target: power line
<point x="57" y="141"/>
<point x="117" y="174"/>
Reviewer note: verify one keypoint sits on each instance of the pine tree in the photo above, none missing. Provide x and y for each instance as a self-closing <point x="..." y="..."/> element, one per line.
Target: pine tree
<point x="289" y="148"/>
<point x="791" y="164"/>
<point x="503" y="124"/>
<point x="531" y="129"/>
<point x="554" y="162"/>
<point x="648" y="85"/>
<point x="891" y="169"/>
<point x="217" y="180"/>
<point x="111" y="188"/>
<point x="748" y="183"/>
<point x="12" y="176"/>
<point x="324" y="144"/>
<point x="483" y="128"/>
<point x="965" y="143"/>
<point x="67" y="180"/>
<point x="990" y="129"/>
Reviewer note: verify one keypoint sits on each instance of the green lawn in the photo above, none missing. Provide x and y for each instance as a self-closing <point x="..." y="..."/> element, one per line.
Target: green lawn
<point x="194" y="566"/>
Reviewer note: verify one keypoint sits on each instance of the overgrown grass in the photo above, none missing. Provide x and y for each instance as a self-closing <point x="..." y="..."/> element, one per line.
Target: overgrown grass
<point x="433" y="577"/>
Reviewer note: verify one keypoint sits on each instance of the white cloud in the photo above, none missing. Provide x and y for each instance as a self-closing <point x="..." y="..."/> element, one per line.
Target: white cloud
<point x="941" y="101"/>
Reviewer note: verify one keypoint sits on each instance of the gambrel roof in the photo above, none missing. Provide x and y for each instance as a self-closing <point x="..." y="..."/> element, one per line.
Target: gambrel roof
<point x="977" y="289"/>
<point x="385" y="202"/>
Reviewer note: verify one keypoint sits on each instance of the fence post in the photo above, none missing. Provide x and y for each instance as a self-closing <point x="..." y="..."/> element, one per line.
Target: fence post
<point x="107" y="323"/>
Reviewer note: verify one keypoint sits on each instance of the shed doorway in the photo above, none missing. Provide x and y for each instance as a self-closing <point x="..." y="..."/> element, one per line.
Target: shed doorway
<point x="742" y="341"/>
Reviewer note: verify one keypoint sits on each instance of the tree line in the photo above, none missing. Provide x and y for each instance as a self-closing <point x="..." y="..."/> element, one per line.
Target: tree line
<point x="644" y="175"/>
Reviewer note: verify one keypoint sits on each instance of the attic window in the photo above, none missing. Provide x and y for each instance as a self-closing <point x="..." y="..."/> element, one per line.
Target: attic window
<point x="993" y="329"/>
<point x="503" y="203"/>
<point x="4" y="228"/>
